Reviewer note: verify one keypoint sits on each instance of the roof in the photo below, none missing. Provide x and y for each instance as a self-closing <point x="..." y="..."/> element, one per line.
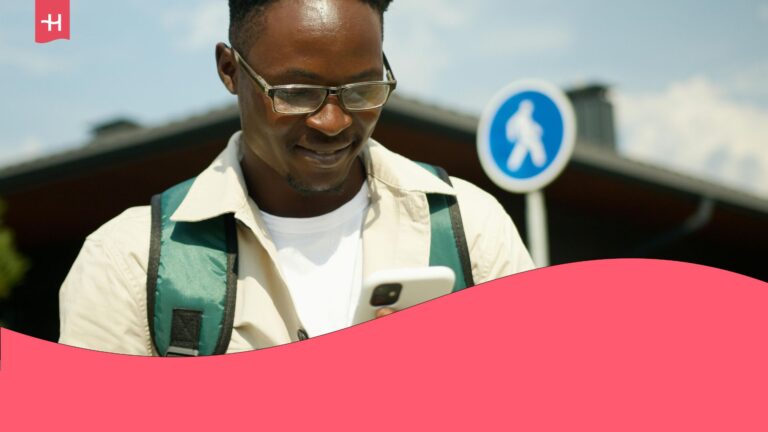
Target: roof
<point x="585" y="153"/>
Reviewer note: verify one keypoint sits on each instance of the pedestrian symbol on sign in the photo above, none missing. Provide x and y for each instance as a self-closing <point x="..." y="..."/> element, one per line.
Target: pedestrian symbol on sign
<point x="525" y="135"/>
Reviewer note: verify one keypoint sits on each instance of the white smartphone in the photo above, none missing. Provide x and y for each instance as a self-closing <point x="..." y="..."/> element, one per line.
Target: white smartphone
<point x="401" y="288"/>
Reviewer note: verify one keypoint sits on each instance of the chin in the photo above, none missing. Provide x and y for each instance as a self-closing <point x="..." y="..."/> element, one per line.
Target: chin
<point x="306" y="188"/>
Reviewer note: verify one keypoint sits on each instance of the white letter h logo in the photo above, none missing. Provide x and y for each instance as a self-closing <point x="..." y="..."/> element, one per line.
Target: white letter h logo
<point x="50" y="23"/>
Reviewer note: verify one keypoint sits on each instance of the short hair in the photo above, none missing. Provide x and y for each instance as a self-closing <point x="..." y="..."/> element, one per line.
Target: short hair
<point x="243" y="11"/>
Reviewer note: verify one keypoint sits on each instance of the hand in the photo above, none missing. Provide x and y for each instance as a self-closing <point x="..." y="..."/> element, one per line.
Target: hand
<point x="384" y="312"/>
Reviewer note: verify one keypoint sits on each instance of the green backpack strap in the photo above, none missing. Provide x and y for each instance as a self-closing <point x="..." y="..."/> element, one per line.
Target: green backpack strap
<point x="190" y="307"/>
<point x="448" y="245"/>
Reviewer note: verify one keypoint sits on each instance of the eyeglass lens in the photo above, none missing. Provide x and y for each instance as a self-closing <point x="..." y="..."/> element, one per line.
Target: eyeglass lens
<point x="307" y="100"/>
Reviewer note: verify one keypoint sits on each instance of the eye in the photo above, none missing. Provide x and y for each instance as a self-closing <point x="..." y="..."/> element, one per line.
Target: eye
<point x="365" y="96"/>
<point x="298" y="100"/>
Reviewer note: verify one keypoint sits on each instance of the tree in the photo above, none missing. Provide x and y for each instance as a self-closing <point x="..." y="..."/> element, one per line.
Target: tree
<point x="13" y="265"/>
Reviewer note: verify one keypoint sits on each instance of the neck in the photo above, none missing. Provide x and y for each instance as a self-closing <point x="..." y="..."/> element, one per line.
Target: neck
<point x="275" y="195"/>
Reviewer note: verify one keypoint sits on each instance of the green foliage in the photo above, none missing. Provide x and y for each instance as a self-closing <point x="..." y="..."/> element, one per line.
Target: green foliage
<point x="13" y="265"/>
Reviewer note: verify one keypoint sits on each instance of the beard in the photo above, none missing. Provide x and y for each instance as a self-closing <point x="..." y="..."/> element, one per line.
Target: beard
<point x="310" y="190"/>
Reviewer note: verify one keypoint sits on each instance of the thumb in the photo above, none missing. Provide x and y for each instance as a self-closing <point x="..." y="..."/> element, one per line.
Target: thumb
<point x="384" y="312"/>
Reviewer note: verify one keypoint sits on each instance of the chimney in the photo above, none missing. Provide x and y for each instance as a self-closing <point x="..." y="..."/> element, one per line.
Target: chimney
<point x="594" y="116"/>
<point x="113" y="127"/>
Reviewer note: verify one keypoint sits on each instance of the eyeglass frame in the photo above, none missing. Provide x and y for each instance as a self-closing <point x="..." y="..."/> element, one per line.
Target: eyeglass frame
<point x="270" y="90"/>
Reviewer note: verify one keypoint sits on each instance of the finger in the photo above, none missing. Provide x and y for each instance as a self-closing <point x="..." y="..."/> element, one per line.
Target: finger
<point x="384" y="312"/>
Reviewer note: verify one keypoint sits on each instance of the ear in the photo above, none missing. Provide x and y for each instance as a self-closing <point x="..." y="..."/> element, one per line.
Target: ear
<point x="226" y="66"/>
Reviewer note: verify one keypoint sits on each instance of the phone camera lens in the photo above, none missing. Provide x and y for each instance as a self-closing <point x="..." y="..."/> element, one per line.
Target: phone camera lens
<point x="386" y="294"/>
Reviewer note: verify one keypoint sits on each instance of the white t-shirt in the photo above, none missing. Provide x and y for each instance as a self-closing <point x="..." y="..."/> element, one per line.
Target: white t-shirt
<point x="321" y="259"/>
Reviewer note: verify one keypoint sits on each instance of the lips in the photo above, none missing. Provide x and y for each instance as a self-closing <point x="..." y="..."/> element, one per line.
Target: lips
<point x="326" y="155"/>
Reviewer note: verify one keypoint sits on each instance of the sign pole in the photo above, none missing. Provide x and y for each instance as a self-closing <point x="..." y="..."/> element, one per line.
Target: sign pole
<point x="536" y="219"/>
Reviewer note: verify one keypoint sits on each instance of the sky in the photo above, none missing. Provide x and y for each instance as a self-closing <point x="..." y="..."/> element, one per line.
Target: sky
<point x="688" y="79"/>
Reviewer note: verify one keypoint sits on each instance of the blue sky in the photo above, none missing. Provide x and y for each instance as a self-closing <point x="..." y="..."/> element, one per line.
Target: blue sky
<point x="689" y="78"/>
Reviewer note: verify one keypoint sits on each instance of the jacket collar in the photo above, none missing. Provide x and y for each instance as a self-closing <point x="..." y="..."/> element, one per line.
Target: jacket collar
<point x="221" y="187"/>
<point x="399" y="173"/>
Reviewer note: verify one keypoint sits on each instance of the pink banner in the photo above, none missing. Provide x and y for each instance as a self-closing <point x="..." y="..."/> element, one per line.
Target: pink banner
<point x="629" y="345"/>
<point x="51" y="20"/>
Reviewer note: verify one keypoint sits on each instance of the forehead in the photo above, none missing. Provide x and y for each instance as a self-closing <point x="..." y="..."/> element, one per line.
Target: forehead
<point x="318" y="33"/>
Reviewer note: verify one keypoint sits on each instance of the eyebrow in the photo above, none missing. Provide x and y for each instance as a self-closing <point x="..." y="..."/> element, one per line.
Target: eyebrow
<point x="297" y="74"/>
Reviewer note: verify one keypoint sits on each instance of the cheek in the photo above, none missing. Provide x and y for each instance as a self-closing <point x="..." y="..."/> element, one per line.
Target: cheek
<point x="250" y="113"/>
<point x="253" y="108"/>
<point x="368" y="120"/>
<point x="257" y="118"/>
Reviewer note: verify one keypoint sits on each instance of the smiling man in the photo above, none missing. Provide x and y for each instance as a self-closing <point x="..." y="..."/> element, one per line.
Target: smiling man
<point x="272" y="241"/>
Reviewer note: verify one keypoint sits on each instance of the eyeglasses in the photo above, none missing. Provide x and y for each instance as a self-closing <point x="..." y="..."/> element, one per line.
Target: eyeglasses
<point x="306" y="99"/>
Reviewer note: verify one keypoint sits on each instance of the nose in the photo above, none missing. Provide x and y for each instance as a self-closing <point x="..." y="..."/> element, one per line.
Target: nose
<point x="330" y="119"/>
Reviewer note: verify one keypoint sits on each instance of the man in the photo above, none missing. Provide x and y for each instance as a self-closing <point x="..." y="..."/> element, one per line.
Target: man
<point x="318" y="205"/>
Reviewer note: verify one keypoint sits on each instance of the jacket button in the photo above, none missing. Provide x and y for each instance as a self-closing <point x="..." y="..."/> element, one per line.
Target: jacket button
<point x="302" y="334"/>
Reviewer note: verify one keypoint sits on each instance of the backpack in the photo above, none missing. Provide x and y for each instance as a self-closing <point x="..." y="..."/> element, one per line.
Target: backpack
<point x="192" y="270"/>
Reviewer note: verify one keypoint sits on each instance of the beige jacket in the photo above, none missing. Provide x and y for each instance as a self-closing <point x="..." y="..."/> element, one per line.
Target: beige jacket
<point x="103" y="303"/>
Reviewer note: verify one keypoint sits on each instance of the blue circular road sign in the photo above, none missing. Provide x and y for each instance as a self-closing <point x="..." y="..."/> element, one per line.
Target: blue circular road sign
<point x="526" y="135"/>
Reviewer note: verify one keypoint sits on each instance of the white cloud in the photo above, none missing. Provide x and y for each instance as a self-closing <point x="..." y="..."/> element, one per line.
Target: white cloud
<point x="198" y="26"/>
<point x="692" y="126"/>
<point x="29" y="148"/>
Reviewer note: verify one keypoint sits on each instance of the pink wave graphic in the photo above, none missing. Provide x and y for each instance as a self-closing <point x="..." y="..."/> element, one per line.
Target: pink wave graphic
<point x="602" y="345"/>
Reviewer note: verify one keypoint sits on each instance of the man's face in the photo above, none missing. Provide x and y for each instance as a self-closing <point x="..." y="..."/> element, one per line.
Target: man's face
<point x="322" y="42"/>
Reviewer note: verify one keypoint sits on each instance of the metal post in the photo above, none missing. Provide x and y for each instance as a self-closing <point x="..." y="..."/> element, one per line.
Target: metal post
<point x="536" y="220"/>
